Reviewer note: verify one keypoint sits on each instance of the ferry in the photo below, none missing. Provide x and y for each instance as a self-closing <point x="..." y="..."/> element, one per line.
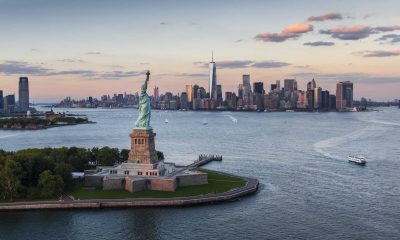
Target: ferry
<point x="359" y="160"/>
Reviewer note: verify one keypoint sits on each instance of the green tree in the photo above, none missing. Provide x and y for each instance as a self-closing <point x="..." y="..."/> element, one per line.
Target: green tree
<point x="49" y="185"/>
<point x="107" y="156"/>
<point x="64" y="170"/>
<point x="10" y="181"/>
<point x="124" y="155"/>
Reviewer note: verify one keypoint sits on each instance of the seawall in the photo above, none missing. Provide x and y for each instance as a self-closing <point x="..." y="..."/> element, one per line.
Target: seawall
<point x="250" y="187"/>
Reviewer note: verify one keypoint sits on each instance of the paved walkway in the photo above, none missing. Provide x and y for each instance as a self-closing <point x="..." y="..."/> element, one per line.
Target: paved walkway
<point x="250" y="187"/>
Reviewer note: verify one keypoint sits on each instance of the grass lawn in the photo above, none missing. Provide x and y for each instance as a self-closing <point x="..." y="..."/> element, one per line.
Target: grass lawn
<point x="217" y="183"/>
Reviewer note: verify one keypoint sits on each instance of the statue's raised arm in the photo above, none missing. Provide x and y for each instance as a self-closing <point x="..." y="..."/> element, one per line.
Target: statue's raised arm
<point x="143" y="120"/>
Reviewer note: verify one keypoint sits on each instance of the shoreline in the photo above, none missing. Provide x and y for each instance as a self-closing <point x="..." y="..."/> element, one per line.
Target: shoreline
<point x="251" y="187"/>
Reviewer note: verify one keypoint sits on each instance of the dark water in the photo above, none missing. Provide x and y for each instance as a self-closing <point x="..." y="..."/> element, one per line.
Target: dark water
<point x="308" y="190"/>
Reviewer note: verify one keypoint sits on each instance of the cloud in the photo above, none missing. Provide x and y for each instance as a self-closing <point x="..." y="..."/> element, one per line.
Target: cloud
<point x="358" y="78"/>
<point x="275" y="37"/>
<point x="191" y="75"/>
<point x="93" y="53"/>
<point x="298" y="28"/>
<point x="357" y="32"/>
<point x="164" y="23"/>
<point x="328" y="16"/>
<point x="292" y="31"/>
<point x="348" y="33"/>
<point x="239" y="40"/>
<point x="70" y="60"/>
<point x="389" y="38"/>
<point x="235" y="64"/>
<point x="24" y="68"/>
<point x="387" y="28"/>
<point x="144" y="63"/>
<point x="301" y="66"/>
<point x="21" y="68"/>
<point x="35" y="50"/>
<point x="319" y="43"/>
<point x="269" y="64"/>
<point x="378" y="53"/>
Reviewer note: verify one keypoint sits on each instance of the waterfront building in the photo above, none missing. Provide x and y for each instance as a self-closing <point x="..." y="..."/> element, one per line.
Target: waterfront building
<point x="325" y="99"/>
<point x="23" y="94"/>
<point x="344" y="95"/>
<point x="156" y="94"/>
<point x="195" y="91"/>
<point x="189" y="92"/>
<point x="290" y="85"/>
<point x="301" y="99"/>
<point x="246" y="85"/>
<point x="278" y="85"/>
<point x="258" y="88"/>
<point x="1" y="102"/>
<point x="9" y="103"/>
<point x="213" y="79"/>
<point x="311" y="85"/>
<point x="184" y="102"/>
<point x="332" y="102"/>
<point x="317" y="98"/>
<point x="219" y="94"/>
<point x="240" y="91"/>
<point x="273" y="87"/>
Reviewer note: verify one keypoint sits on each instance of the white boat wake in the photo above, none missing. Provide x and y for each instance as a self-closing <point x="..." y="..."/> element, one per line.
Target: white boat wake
<point x="233" y="119"/>
<point x="323" y="146"/>
<point x="383" y="122"/>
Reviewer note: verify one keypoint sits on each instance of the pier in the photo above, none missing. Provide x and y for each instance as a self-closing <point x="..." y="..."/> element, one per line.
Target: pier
<point x="204" y="159"/>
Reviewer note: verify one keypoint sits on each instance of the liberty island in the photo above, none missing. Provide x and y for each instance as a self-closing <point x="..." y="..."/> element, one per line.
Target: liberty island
<point x="146" y="174"/>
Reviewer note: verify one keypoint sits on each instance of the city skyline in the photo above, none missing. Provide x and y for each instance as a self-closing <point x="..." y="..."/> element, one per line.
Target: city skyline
<point x="106" y="48"/>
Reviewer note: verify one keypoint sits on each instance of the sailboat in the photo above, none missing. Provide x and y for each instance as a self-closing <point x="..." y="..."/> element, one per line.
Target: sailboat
<point x="205" y="122"/>
<point x="166" y="121"/>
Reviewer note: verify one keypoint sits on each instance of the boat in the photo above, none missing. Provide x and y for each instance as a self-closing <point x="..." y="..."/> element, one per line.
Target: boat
<point x="359" y="160"/>
<point x="166" y="121"/>
<point x="205" y="122"/>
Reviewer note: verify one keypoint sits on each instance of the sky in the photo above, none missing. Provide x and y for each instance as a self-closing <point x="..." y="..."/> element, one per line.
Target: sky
<point x="95" y="47"/>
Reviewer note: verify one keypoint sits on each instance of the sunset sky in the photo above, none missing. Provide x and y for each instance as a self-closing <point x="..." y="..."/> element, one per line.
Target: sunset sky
<point x="89" y="48"/>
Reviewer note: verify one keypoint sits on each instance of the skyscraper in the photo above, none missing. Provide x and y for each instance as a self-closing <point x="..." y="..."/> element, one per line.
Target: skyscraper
<point x="240" y="91"/>
<point x="344" y="95"/>
<point x="290" y="85"/>
<point x="189" y="92"/>
<point x="258" y="87"/>
<point x="219" y="93"/>
<point x="195" y="91"/>
<point x="317" y="98"/>
<point x="213" y="78"/>
<point x="23" y="97"/>
<point x="9" y="104"/>
<point x="156" y="94"/>
<point x="1" y="102"/>
<point x="246" y="85"/>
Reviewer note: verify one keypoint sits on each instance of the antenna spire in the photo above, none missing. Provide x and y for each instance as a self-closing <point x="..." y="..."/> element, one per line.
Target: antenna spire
<point x="212" y="56"/>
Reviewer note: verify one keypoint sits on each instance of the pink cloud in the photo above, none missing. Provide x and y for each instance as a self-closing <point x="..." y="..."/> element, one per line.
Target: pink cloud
<point x="298" y="28"/>
<point x="291" y="31"/>
<point x="357" y="31"/>
<point x="328" y="16"/>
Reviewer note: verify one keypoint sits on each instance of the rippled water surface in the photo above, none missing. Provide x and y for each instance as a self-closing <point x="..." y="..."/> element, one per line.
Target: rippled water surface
<point x="308" y="190"/>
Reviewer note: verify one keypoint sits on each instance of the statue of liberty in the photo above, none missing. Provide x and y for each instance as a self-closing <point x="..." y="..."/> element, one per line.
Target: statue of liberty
<point x="143" y="120"/>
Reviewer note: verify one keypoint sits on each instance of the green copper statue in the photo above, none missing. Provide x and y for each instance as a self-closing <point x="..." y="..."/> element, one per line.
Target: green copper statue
<point x="143" y="120"/>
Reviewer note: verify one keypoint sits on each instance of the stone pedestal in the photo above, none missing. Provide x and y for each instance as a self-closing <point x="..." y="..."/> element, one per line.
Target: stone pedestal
<point x="143" y="149"/>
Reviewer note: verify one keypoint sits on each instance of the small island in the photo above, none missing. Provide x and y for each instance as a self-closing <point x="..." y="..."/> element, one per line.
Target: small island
<point x="109" y="177"/>
<point x="41" y="122"/>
